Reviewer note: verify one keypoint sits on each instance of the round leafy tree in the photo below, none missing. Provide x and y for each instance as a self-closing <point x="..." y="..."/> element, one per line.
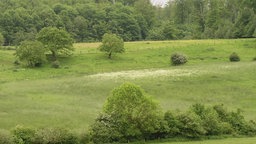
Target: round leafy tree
<point x="31" y="52"/>
<point x="111" y="43"/>
<point x="56" y="40"/>
<point x="127" y="115"/>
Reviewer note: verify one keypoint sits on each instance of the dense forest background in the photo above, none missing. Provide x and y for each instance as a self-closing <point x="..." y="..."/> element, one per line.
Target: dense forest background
<point x="133" y="20"/>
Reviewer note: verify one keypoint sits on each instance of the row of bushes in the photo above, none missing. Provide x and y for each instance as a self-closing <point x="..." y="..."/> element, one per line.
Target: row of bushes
<point x="24" y="135"/>
<point x="201" y="121"/>
<point x="130" y="115"/>
<point x="198" y="122"/>
<point x="179" y="58"/>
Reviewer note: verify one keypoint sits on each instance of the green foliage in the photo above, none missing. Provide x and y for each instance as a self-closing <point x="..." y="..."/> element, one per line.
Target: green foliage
<point x="132" y="20"/>
<point x="234" y="57"/>
<point x="6" y="137"/>
<point x="24" y="134"/>
<point x="105" y="130"/>
<point x="173" y="124"/>
<point x="156" y="33"/>
<point x="32" y="53"/>
<point x="54" y="136"/>
<point x="58" y="41"/>
<point x="111" y="43"/>
<point x="236" y="120"/>
<point x="128" y="115"/>
<point x="210" y="120"/>
<point x="1" y="39"/>
<point x="178" y="59"/>
<point x="190" y="125"/>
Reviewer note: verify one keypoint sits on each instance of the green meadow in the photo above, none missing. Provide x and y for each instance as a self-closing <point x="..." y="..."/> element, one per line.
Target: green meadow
<point x="73" y="95"/>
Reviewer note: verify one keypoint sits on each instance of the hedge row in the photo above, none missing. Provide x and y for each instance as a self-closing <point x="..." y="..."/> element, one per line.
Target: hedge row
<point x="25" y="135"/>
<point x="198" y="122"/>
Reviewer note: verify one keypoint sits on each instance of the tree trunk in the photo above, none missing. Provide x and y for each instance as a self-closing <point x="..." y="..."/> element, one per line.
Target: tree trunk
<point x="109" y="55"/>
<point x="54" y="56"/>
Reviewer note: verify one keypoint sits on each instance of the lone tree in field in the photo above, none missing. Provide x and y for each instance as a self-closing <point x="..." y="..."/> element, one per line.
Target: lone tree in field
<point x="127" y="115"/>
<point x="111" y="43"/>
<point x="32" y="53"/>
<point x="56" y="40"/>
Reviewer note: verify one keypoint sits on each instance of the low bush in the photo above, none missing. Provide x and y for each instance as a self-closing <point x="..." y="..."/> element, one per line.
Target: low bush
<point x="234" y="57"/>
<point x="6" y="137"/>
<point x="178" y="59"/>
<point x="55" y="136"/>
<point x="254" y="59"/>
<point x="23" y="134"/>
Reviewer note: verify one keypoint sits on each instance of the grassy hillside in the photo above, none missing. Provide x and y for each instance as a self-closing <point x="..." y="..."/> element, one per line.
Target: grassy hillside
<point x="73" y="95"/>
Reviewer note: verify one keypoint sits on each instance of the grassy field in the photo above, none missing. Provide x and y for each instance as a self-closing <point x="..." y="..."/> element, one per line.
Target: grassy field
<point x="73" y="95"/>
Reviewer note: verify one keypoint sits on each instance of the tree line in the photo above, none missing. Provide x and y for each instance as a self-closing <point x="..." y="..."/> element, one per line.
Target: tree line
<point x="89" y="20"/>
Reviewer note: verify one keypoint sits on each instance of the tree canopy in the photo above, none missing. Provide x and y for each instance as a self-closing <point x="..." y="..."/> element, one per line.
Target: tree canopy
<point x="32" y="53"/>
<point x="128" y="114"/>
<point x="111" y="43"/>
<point x="56" y="40"/>
<point x="89" y="20"/>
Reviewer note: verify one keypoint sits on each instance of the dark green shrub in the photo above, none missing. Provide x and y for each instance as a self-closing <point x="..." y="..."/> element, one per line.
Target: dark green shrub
<point x="190" y="125"/>
<point x="26" y="135"/>
<point x="56" y="64"/>
<point x="178" y="59"/>
<point x="54" y="136"/>
<point x="234" y="57"/>
<point x="6" y="137"/>
<point x="254" y="59"/>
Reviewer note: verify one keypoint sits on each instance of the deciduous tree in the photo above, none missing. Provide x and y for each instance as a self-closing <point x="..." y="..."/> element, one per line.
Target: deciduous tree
<point x="111" y="43"/>
<point x="32" y="53"/>
<point x="56" y="40"/>
<point x="128" y="114"/>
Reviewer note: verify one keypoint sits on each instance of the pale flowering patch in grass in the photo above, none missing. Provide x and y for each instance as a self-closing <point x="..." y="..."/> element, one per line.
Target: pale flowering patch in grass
<point x="135" y="74"/>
